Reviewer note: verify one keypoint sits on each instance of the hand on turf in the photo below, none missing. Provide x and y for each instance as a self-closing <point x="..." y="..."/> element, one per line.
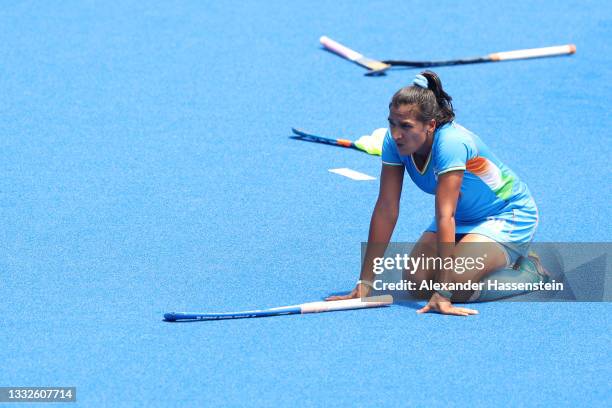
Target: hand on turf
<point x="360" y="290"/>
<point x="440" y="304"/>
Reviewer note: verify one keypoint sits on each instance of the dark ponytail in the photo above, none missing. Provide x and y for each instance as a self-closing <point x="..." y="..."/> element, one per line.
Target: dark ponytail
<point x="432" y="101"/>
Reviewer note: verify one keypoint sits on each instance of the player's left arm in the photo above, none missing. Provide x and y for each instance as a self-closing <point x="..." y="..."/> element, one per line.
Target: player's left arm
<point x="450" y="159"/>
<point x="447" y="195"/>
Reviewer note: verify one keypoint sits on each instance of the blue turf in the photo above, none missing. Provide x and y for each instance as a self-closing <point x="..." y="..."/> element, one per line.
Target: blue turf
<point x="146" y="167"/>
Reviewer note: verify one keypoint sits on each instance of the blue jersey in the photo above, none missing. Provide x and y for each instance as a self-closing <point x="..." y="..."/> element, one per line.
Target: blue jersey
<point x="489" y="187"/>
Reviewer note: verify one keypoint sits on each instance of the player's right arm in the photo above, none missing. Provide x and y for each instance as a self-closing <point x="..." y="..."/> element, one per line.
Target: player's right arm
<point x="382" y="224"/>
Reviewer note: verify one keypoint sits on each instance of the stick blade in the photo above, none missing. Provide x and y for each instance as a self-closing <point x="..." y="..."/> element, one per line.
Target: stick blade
<point x="377" y="67"/>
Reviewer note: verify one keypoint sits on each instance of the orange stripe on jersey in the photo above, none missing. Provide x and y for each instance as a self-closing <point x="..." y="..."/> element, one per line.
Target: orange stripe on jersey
<point x="477" y="165"/>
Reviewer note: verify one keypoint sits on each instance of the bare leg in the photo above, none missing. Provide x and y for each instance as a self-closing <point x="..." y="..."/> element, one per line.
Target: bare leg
<point x="476" y="246"/>
<point x="471" y="246"/>
<point x="426" y="246"/>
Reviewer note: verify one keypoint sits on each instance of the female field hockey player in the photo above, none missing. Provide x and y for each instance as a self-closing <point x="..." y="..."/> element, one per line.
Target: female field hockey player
<point x="478" y="199"/>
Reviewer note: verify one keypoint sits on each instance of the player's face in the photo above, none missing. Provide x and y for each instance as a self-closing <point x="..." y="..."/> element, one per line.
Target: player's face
<point x="410" y="135"/>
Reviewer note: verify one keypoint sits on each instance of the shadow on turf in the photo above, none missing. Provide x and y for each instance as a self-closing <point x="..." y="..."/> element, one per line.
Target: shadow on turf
<point x="184" y="321"/>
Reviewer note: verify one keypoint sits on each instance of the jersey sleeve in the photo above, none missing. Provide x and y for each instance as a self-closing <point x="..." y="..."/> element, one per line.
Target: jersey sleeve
<point x="452" y="154"/>
<point x="390" y="155"/>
